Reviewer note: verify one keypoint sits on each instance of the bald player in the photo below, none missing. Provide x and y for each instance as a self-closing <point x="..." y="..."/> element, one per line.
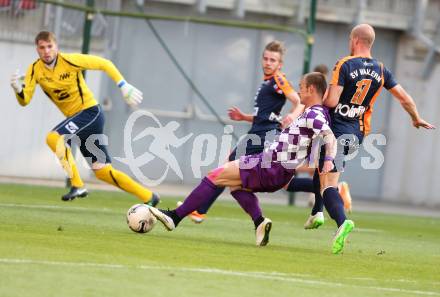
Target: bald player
<point x="356" y="83"/>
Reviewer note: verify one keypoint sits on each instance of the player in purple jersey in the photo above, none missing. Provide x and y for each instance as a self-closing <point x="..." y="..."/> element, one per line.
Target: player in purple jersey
<point x="357" y="82"/>
<point x="311" y="184"/>
<point x="270" y="170"/>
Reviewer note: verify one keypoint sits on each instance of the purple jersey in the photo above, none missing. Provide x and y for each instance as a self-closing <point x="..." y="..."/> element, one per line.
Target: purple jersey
<point x="293" y="146"/>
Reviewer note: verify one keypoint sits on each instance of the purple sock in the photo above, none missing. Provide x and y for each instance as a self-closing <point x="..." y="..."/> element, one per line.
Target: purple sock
<point x="206" y="206"/>
<point x="249" y="202"/>
<point x="198" y="197"/>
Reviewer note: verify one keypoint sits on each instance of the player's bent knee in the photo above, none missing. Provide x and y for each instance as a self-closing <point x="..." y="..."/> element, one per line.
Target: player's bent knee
<point x="235" y="188"/>
<point x="213" y="174"/>
<point x="103" y="173"/>
<point x="328" y="180"/>
<point x="97" y="166"/>
<point x="52" y="139"/>
<point x="325" y="188"/>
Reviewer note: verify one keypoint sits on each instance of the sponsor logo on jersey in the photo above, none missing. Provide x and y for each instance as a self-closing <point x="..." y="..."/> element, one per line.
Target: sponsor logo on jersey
<point x="61" y="94"/>
<point x="363" y="72"/>
<point x="64" y="76"/>
<point x="71" y="127"/>
<point x="350" y="111"/>
<point x="275" y="117"/>
<point x="45" y="78"/>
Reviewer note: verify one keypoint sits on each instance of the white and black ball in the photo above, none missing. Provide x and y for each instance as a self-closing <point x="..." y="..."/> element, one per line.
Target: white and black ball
<point x="140" y="219"/>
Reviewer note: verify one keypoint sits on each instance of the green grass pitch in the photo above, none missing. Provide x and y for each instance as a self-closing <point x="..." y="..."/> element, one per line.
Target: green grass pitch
<point x="84" y="248"/>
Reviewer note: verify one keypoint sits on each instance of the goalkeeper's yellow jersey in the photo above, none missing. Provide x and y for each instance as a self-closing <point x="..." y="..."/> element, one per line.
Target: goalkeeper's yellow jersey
<point x="64" y="84"/>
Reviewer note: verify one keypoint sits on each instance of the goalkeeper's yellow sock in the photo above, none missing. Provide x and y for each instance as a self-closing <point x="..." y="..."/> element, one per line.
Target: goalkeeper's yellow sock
<point x="56" y="143"/>
<point x="121" y="180"/>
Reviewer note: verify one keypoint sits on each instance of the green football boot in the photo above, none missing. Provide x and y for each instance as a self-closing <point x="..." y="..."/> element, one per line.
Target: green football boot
<point x="314" y="221"/>
<point x="341" y="236"/>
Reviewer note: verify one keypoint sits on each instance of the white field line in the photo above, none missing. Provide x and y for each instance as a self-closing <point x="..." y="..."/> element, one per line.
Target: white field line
<point x="44" y="206"/>
<point x="363" y="230"/>
<point x="256" y="274"/>
<point x="388" y="280"/>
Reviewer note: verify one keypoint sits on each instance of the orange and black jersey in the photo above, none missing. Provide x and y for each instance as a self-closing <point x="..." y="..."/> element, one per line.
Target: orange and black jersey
<point x="269" y="100"/>
<point x="362" y="79"/>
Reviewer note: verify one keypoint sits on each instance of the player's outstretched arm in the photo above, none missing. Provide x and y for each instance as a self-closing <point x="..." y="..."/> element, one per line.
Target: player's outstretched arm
<point x="91" y="62"/>
<point x="132" y="95"/>
<point x="23" y="86"/>
<point x="236" y="114"/>
<point x="409" y="105"/>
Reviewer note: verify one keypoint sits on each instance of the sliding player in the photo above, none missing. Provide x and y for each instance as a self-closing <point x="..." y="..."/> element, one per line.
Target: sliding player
<point x="268" y="171"/>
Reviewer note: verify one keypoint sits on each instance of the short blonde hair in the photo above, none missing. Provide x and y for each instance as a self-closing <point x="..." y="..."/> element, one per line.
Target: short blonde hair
<point x="277" y="47"/>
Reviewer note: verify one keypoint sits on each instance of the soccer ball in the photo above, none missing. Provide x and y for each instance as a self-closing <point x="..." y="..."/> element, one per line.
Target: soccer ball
<point x="140" y="219"/>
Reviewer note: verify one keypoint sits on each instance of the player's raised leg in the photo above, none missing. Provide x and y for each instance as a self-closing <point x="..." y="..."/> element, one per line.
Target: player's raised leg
<point x="226" y="175"/>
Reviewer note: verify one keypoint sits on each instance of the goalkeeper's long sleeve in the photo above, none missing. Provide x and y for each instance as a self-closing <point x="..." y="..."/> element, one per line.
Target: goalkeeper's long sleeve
<point x="25" y="96"/>
<point x="91" y="62"/>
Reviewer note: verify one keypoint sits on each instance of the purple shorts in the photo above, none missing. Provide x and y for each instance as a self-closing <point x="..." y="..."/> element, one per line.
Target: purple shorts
<point x="258" y="178"/>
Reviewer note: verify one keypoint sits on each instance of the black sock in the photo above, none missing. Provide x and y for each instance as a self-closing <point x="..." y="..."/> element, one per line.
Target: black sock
<point x="319" y="203"/>
<point x="173" y="215"/>
<point x="258" y="221"/>
<point x="298" y="184"/>
<point x="334" y="205"/>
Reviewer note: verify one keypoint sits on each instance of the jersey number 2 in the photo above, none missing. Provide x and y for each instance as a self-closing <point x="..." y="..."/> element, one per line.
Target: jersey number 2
<point x="362" y="89"/>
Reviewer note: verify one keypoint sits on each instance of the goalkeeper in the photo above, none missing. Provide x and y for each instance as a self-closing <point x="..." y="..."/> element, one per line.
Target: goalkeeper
<point x="60" y="77"/>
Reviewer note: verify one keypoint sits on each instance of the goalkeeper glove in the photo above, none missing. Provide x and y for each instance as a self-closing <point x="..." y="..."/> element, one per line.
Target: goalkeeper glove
<point x="17" y="82"/>
<point x="131" y="95"/>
